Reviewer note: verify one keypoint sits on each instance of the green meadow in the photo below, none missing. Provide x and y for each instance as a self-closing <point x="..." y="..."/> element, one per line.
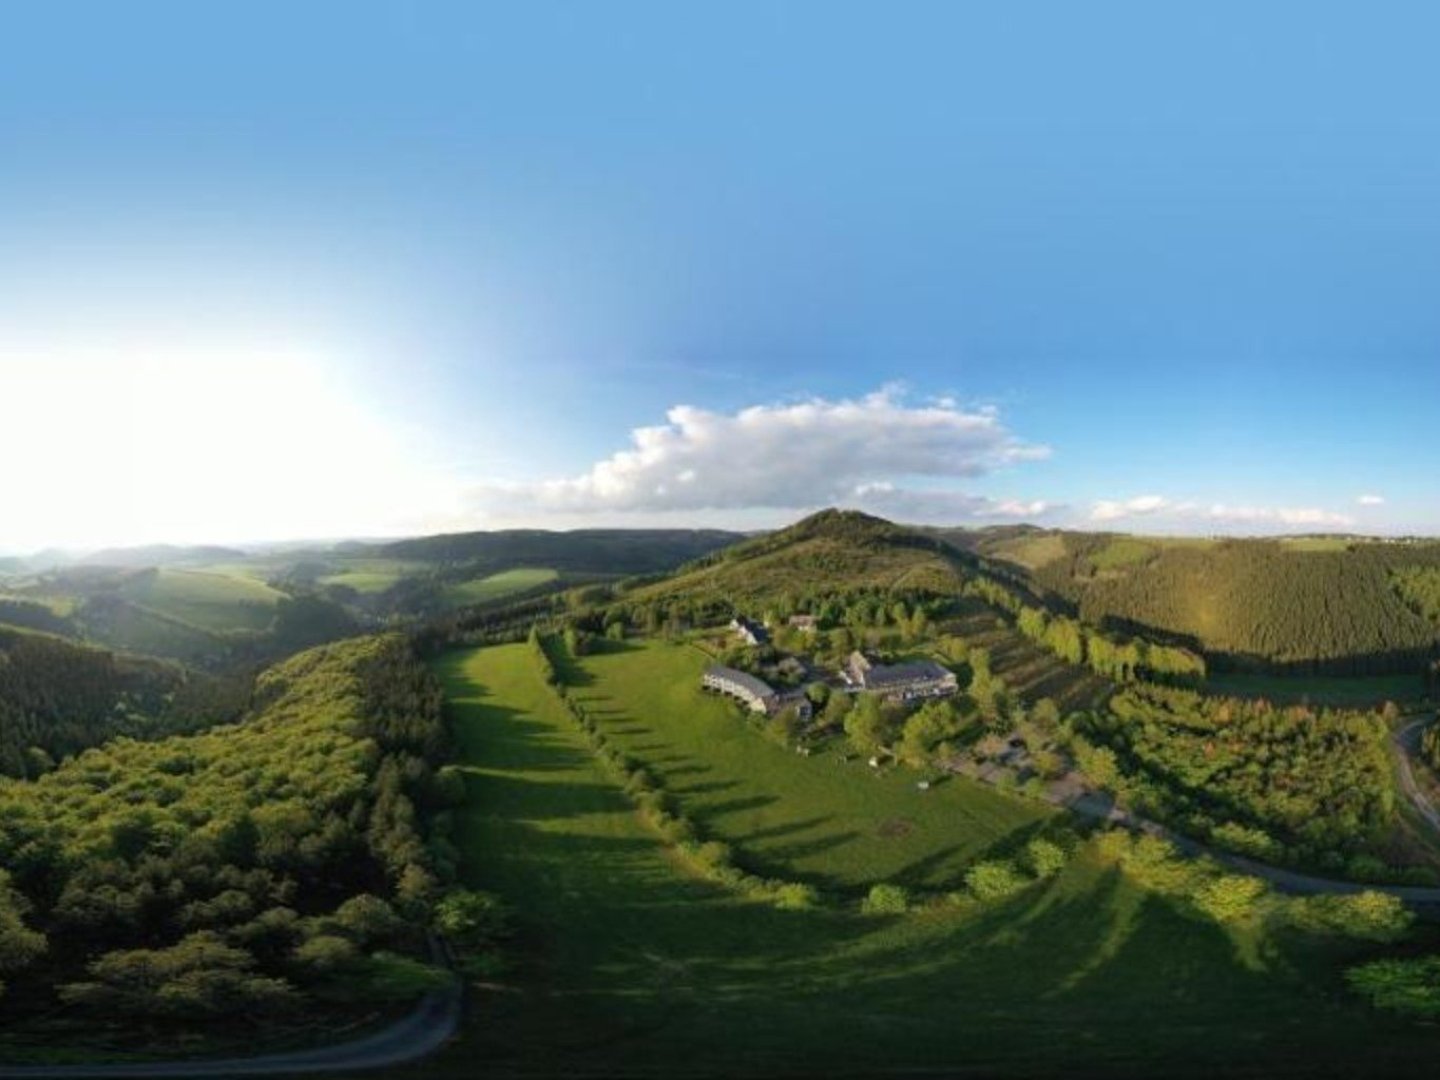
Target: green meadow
<point x="623" y="965"/>
<point x="485" y="589"/>
<point x="210" y="601"/>
<point x="822" y="819"/>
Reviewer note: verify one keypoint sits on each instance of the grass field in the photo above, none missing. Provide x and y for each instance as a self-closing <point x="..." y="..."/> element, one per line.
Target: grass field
<point x="623" y="966"/>
<point x="368" y="575"/>
<point x="485" y="589"/>
<point x="211" y="601"/>
<point x="820" y="819"/>
<point x="1354" y="691"/>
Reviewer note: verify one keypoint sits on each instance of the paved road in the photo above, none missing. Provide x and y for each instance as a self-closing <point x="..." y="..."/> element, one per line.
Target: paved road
<point x="1069" y="792"/>
<point x="432" y="1022"/>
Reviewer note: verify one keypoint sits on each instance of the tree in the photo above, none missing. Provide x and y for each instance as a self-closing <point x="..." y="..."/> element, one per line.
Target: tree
<point x="1405" y="986"/>
<point x="886" y="899"/>
<point x="1044" y="857"/>
<point x="1229" y="897"/>
<point x="994" y="879"/>
<point x="867" y="727"/>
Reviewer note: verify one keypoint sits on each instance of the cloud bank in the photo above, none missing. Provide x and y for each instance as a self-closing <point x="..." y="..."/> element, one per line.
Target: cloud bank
<point x="879" y="453"/>
<point x="1193" y="513"/>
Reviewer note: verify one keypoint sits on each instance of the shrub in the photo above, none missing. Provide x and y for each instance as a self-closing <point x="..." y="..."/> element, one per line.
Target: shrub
<point x="1368" y="915"/>
<point x="1405" y="986"/>
<point x="1229" y="897"/>
<point x="795" y="896"/>
<point x="994" y="879"/>
<point x="886" y="899"/>
<point x="1045" y="858"/>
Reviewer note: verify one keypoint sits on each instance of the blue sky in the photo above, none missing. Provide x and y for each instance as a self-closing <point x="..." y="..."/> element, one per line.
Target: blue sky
<point x="1151" y="267"/>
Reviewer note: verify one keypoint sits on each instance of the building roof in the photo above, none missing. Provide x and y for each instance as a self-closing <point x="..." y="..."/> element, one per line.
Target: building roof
<point x="878" y="676"/>
<point x="759" y="687"/>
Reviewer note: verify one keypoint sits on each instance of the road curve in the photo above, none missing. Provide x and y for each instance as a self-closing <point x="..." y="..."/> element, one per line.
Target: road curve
<point x="1407" y="745"/>
<point x="433" y="1021"/>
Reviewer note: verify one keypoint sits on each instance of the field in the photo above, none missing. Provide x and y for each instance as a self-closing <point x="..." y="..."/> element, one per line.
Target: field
<point x="367" y="575"/>
<point x="1354" y="692"/>
<point x="821" y="819"/>
<point x="623" y="966"/>
<point x="485" y="589"/>
<point x="211" y="601"/>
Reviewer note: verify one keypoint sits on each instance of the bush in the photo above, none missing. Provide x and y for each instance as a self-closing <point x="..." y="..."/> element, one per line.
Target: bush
<point x="1045" y="858"/>
<point x="1368" y="915"/>
<point x="885" y="899"/>
<point x="994" y="879"/>
<point x="1229" y="897"/>
<point x="1406" y="986"/>
<point x="795" y="896"/>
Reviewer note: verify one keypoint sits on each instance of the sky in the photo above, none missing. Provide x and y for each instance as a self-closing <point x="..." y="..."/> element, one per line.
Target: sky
<point x="277" y="270"/>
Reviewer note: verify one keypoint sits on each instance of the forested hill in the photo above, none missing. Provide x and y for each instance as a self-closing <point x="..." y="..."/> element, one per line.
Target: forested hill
<point x="830" y="552"/>
<point x="250" y="873"/>
<point x="598" y="551"/>
<point x="58" y="697"/>
<point x="1334" y="604"/>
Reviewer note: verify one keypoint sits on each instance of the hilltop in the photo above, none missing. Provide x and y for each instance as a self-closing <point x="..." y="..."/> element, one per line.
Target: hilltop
<point x="830" y="551"/>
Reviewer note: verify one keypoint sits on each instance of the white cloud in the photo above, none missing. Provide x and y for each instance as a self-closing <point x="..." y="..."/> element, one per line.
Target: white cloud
<point x="1191" y="513"/>
<point x="877" y="452"/>
<point x="1371" y="500"/>
<point x="1113" y="510"/>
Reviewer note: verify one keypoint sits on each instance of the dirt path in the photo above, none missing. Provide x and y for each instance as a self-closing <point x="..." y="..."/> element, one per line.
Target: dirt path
<point x="1407" y="745"/>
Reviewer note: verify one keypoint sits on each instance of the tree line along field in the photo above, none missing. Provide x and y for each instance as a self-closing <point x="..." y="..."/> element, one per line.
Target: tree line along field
<point x="627" y="965"/>
<point x="834" y="822"/>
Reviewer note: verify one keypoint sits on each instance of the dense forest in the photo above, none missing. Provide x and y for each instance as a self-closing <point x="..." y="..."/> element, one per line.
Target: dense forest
<point x="58" y="697"/>
<point x="250" y="871"/>
<point x="1283" y="783"/>
<point x="1322" y="605"/>
<point x="608" y="551"/>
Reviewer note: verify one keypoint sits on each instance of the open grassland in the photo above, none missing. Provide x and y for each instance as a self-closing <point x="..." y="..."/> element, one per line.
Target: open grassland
<point x="211" y="601"/>
<point x="368" y="575"/>
<point x="821" y="819"/>
<point x="483" y="590"/>
<point x="1350" y="691"/>
<point x="623" y="966"/>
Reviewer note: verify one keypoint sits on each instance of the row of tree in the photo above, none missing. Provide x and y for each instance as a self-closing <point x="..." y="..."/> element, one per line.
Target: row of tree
<point x="1075" y="642"/>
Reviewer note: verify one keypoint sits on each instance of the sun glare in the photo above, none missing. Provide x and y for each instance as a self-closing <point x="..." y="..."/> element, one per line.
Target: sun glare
<point x="138" y="446"/>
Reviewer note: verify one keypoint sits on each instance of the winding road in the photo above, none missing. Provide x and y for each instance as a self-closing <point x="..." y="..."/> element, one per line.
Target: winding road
<point x="424" y="1030"/>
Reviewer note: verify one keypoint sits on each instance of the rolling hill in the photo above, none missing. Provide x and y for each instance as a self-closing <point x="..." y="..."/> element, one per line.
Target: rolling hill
<point x="1338" y="605"/>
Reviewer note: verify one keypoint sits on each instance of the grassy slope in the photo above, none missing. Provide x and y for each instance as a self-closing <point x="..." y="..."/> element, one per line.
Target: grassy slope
<point x="210" y="601"/>
<point x="626" y="967"/>
<point x="821" y="819"/>
<point x="484" y="589"/>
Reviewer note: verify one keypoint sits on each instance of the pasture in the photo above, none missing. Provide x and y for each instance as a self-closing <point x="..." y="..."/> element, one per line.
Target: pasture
<point x="483" y="590"/>
<point x="212" y="601"/>
<point x="624" y="966"/>
<point x="835" y="823"/>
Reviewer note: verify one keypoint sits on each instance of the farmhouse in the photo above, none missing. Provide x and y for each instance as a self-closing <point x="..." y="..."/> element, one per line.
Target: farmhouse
<point x="924" y="678"/>
<point x="756" y="694"/>
<point x="748" y="632"/>
<point x="804" y="623"/>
